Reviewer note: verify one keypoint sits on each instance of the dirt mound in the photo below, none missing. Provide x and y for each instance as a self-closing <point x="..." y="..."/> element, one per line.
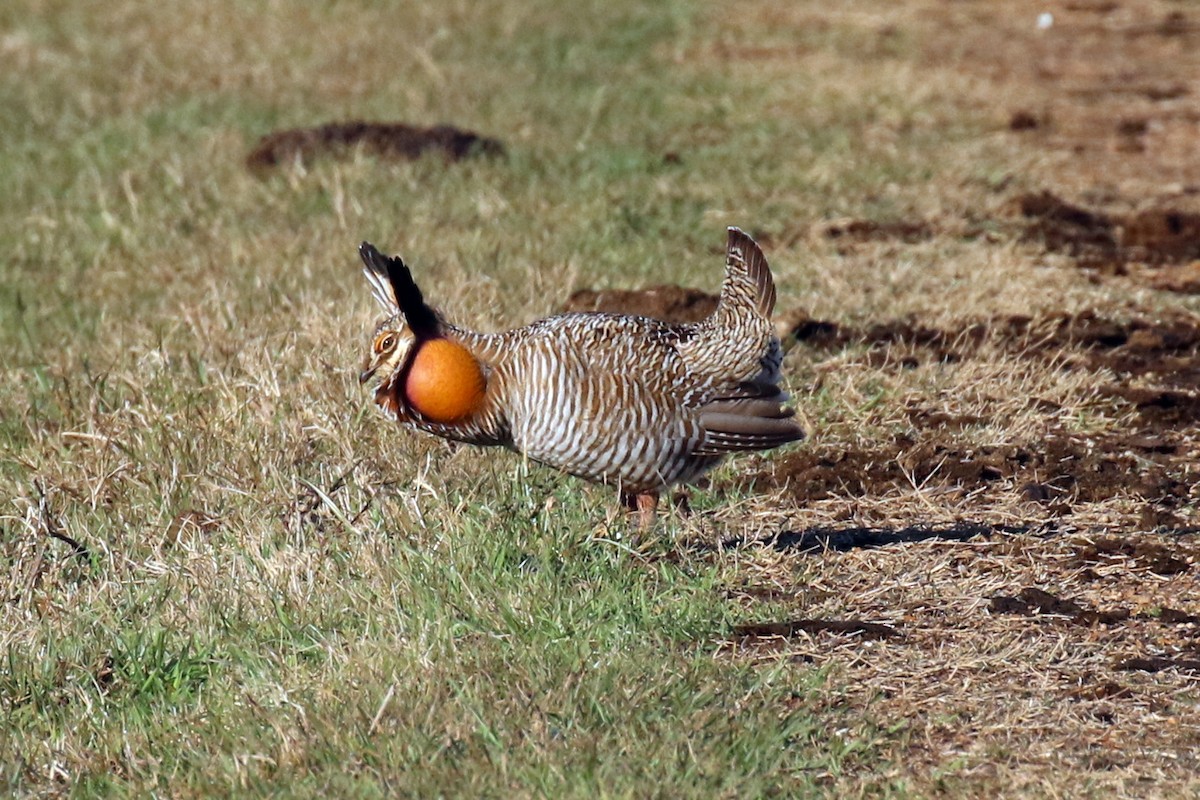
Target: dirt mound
<point x="394" y="140"/>
<point x="667" y="302"/>
<point x="1111" y="241"/>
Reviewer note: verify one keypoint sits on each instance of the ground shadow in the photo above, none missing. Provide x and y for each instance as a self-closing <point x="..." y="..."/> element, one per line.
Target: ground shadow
<point x="856" y="537"/>
<point x="824" y="537"/>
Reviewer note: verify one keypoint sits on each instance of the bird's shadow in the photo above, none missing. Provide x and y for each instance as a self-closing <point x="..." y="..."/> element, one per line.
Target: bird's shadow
<point x="857" y="537"/>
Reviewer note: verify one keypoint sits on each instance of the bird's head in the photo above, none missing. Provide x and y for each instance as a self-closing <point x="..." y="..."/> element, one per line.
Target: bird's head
<point x="419" y="372"/>
<point x="391" y="345"/>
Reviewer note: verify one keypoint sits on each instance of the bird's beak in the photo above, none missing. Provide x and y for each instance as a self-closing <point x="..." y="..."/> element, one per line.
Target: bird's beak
<point x="366" y="374"/>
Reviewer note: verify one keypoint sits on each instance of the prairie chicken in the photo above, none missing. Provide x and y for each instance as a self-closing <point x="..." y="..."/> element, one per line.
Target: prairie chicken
<point x="623" y="400"/>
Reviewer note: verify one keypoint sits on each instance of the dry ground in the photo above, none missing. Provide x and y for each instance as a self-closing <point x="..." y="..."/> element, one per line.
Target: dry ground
<point x="1051" y="416"/>
<point x="986" y="235"/>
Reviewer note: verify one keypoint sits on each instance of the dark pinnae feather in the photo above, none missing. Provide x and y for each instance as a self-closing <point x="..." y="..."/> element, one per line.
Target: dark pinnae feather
<point x="422" y="319"/>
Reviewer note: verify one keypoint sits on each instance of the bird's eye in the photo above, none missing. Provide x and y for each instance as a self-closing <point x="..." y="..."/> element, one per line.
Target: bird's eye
<point x="386" y="343"/>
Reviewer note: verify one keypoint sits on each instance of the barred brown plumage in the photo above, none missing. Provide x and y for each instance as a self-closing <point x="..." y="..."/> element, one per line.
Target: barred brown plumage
<point x="625" y="400"/>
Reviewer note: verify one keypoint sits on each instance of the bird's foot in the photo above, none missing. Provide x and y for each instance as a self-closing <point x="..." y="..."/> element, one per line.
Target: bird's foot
<point x="644" y="504"/>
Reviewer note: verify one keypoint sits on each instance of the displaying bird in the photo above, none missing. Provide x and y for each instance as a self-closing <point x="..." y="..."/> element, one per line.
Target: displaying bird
<point x="624" y="400"/>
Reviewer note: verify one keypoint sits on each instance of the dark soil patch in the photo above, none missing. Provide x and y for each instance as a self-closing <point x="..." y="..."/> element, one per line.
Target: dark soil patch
<point x="1024" y="120"/>
<point x="670" y="303"/>
<point x="395" y="141"/>
<point x="1056" y="472"/>
<point x="868" y="230"/>
<point x="1063" y="228"/>
<point x="1148" y="555"/>
<point x="797" y="325"/>
<point x="1033" y="602"/>
<point x="1173" y="616"/>
<point x="942" y="345"/>
<point x="1111" y="241"/>
<point x="1158" y="664"/>
<point x="1162" y="407"/>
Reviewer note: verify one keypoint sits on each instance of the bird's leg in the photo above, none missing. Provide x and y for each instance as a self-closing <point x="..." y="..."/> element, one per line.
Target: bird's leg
<point x="645" y="504"/>
<point x="628" y="502"/>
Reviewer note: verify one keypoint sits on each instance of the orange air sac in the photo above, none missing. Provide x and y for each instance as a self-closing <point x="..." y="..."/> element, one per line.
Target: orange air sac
<point x="445" y="383"/>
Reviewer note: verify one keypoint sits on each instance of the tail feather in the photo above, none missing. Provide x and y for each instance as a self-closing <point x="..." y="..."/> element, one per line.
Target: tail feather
<point x="404" y="294"/>
<point x="724" y="433"/>
<point x="747" y="276"/>
<point x="752" y="417"/>
<point x="752" y="407"/>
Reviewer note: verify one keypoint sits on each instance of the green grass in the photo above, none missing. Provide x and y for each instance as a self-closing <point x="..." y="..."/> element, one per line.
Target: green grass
<point x="508" y="656"/>
<point x="179" y="341"/>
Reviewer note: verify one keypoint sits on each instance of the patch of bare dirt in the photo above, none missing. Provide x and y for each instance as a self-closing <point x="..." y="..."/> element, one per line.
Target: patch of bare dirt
<point x="396" y="141"/>
<point x="1111" y="241"/>
<point x="865" y="230"/>
<point x="1056" y="473"/>
<point x="670" y="303"/>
